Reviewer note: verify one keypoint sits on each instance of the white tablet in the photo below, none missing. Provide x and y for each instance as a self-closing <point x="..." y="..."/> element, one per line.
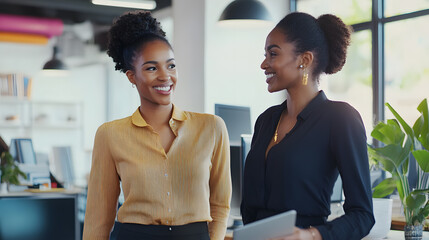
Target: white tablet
<point x="278" y="225"/>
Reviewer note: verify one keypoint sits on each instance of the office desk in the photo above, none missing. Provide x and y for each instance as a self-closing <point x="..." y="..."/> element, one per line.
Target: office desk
<point x="393" y="235"/>
<point x="39" y="216"/>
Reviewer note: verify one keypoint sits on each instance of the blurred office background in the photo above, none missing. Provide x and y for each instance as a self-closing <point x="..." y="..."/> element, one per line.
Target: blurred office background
<point x="217" y="64"/>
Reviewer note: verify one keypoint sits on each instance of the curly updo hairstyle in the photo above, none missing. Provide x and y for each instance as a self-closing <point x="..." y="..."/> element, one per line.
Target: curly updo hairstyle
<point x="327" y="37"/>
<point x="128" y="34"/>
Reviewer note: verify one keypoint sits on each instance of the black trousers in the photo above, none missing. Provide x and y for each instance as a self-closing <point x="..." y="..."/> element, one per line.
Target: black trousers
<point x="191" y="231"/>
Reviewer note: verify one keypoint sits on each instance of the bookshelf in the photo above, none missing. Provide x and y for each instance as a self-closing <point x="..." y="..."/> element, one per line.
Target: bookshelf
<point x="24" y="118"/>
<point x="15" y="85"/>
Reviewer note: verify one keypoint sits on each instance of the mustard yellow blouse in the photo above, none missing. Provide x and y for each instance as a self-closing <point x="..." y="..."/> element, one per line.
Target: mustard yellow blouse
<point x="189" y="183"/>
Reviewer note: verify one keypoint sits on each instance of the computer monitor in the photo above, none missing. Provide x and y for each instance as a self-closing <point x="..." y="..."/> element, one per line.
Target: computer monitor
<point x="63" y="165"/>
<point x="237" y="120"/>
<point x="238" y="158"/>
<point x="39" y="217"/>
<point x="22" y="150"/>
<point x="236" y="179"/>
<point x="246" y="140"/>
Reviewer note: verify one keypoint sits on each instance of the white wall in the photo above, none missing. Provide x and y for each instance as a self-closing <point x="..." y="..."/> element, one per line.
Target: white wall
<point x="232" y="60"/>
<point x="189" y="51"/>
<point x="122" y="99"/>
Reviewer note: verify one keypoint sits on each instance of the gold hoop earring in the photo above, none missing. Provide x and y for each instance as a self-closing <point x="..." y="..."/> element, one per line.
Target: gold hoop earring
<point x="305" y="77"/>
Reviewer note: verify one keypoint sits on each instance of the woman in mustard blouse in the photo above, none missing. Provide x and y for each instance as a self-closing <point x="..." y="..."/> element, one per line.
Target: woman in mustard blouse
<point x="173" y="164"/>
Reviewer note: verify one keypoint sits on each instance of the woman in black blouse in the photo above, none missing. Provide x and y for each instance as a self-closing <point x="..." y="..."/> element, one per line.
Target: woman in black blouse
<point x="301" y="146"/>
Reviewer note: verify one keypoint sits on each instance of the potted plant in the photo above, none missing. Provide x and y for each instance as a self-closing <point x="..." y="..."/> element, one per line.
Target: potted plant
<point x="400" y="143"/>
<point x="10" y="172"/>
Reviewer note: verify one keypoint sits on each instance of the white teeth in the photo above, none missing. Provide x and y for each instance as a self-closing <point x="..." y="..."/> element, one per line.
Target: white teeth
<point x="164" y="89"/>
<point x="269" y="75"/>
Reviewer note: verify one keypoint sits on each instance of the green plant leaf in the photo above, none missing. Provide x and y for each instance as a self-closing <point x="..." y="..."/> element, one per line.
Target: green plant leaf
<point x="424" y="141"/>
<point x="415" y="201"/>
<point x="400" y="191"/>
<point x="392" y="154"/>
<point x="424" y="133"/>
<point x="405" y="166"/>
<point x="387" y="165"/>
<point x="422" y="157"/>
<point x="384" y="188"/>
<point x="424" y="211"/>
<point x="417" y="219"/>
<point x="420" y="191"/>
<point x="417" y="127"/>
<point x="10" y="171"/>
<point x="388" y="133"/>
<point x="420" y="215"/>
<point x="404" y="125"/>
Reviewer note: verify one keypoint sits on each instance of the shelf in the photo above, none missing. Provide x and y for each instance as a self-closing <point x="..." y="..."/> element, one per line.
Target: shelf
<point x="12" y="126"/>
<point x="54" y="126"/>
<point x="21" y="113"/>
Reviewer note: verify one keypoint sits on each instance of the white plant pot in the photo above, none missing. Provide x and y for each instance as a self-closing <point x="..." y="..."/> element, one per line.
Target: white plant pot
<point x="3" y="188"/>
<point x="383" y="218"/>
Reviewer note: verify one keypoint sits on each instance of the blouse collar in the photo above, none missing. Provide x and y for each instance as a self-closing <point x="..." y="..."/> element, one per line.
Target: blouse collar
<point x="138" y="120"/>
<point x="311" y="106"/>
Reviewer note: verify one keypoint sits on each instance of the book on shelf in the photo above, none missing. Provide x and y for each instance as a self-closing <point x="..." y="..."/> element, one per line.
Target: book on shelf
<point x="15" y="85"/>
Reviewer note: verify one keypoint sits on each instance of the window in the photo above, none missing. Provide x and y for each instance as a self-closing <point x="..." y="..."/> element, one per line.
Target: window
<point x="397" y="7"/>
<point x="350" y="11"/>
<point x="386" y="60"/>
<point x="353" y="84"/>
<point x="407" y="66"/>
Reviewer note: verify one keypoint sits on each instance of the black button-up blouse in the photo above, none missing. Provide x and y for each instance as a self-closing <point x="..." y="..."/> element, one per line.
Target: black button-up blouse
<point x="300" y="171"/>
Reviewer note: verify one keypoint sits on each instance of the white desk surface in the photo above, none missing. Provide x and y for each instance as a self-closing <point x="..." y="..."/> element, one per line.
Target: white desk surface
<point x="399" y="235"/>
<point x="392" y="235"/>
<point x="43" y="192"/>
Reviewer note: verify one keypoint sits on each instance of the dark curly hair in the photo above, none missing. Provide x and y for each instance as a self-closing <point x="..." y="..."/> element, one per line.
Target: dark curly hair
<point x="128" y="34"/>
<point x="327" y="37"/>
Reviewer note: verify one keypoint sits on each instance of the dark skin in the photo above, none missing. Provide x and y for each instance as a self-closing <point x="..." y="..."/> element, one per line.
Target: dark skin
<point x="155" y="76"/>
<point x="284" y="70"/>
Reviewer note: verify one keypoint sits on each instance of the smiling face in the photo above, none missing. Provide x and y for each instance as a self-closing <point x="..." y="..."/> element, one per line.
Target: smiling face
<point x="281" y="64"/>
<point x="154" y="73"/>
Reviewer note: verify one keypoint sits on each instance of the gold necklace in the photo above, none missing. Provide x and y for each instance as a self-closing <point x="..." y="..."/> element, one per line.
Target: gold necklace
<point x="277" y="128"/>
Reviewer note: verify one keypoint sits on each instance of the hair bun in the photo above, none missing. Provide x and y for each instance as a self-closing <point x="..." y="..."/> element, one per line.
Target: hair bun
<point x="128" y="30"/>
<point x="337" y="35"/>
<point x="131" y="26"/>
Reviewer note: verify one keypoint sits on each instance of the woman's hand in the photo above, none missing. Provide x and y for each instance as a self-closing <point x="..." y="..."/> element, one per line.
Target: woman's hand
<point x="302" y="234"/>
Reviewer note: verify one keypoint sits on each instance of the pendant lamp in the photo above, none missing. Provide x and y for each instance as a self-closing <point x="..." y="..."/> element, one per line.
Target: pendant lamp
<point x="245" y="10"/>
<point x="55" y="63"/>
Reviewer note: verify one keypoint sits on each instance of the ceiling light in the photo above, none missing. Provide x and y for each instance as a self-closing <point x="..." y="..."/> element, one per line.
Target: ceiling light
<point x="140" y="4"/>
<point x="245" y="10"/>
<point x="55" y="63"/>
